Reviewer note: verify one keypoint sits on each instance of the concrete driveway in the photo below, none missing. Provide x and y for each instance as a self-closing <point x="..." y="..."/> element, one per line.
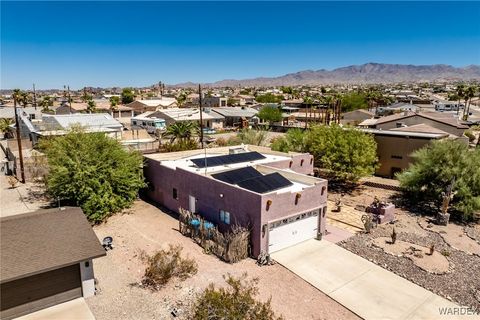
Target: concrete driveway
<point x="76" y="309"/>
<point x="363" y="287"/>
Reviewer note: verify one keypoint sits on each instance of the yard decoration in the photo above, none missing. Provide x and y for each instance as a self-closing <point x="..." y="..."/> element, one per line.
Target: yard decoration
<point x="382" y="212"/>
<point x="394" y="236"/>
<point x="367" y="221"/>
<point x="443" y="216"/>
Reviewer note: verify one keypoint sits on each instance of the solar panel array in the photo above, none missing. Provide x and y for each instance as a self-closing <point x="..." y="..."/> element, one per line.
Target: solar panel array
<point x="227" y="159"/>
<point x="237" y="175"/>
<point x="250" y="179"/>
<point x="266" y="183"/>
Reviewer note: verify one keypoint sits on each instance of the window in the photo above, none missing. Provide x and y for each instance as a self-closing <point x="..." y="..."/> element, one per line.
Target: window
<point x="175" y="194"/>
<point x="397" y="157"/>
<point x="225" y="216"/>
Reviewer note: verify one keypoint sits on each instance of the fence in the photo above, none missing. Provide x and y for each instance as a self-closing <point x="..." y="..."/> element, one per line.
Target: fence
<point x="231" y="246"/>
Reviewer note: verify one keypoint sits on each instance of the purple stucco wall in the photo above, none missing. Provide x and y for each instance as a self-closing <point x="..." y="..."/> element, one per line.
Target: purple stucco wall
<point x="297" y="165"/>
<point x="246" y="208"/>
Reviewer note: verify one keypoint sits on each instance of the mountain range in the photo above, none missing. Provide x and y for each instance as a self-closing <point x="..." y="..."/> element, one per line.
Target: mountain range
<point x="369" y="73"/>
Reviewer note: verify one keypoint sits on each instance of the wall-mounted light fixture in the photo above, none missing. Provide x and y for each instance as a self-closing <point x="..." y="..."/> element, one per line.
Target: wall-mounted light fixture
<point x="221" y="195"/>
<point x="269" y="203"/>
<point x="290" y="164"/>
<point x="297" y="197"/>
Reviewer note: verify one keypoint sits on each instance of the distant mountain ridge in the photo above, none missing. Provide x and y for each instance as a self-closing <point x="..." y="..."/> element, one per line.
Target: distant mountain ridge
<point x="368" y="73"/>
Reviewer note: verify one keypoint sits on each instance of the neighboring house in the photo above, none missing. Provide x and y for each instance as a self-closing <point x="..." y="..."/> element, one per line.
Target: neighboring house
<point x="214" y="102"/>
<point x="397" y="107"/>
<point x="52" y="125"/>
<point x="395" y="146"/>
<point x="244" y="99"/>
<point x="449" y="124"/>
<point x="141" y="106"/>
<point x="30" y="112"/>
<point x="236" y="116"/>
<point x="101" y="105"/>
<point x="210" y="119"/>
<point x="448" y="105"/>
<point x="268" y="192"/>
<point x="355" y="117"/>
<point x="46" y="259"/>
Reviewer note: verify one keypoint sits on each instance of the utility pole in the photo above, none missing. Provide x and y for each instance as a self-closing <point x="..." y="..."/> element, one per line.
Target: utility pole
<point x="201" y="116"/>
<point x="19" y="139"/>
<point x="34" y="97"/>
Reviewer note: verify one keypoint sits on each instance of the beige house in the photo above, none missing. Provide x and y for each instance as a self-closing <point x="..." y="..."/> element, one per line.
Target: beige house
<point x="141" y="106"/>
<point x="210" y="119"/>
<point x="395" y="146"/>
<point x="355" y="117"/>
<point x="444" y="122"/>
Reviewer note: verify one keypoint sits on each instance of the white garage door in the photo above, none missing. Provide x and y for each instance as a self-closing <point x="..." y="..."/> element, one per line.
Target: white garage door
<point x="293" y="230"/>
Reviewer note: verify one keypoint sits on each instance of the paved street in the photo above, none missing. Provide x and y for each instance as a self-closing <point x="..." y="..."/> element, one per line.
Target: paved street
<point x="370" y="291"/>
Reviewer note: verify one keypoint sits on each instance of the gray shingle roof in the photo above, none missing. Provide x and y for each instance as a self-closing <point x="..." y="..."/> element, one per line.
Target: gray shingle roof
<point x="45" y="240"/>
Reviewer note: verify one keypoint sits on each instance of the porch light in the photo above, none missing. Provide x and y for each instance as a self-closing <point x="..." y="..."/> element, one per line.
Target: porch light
<point x="221" y="195"/>
<point x="269" y="203"/>
<point x="291" y="163"/>
<point x="297" y="197"/>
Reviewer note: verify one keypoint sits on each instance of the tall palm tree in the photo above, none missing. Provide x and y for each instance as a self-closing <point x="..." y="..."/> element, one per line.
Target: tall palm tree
<point x="308" y="102"/>
<point x="469" y="94"/>
<point x="460" y="94"/>
<point x="181" y="131"/>
<point x="5" y="124"/>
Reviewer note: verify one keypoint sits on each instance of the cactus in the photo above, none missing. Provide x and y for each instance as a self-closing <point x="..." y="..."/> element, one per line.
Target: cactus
<point x="394" y="236"/>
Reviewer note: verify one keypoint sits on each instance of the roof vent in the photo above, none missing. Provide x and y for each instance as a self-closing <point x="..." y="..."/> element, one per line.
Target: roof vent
<point x="236" y="150"/>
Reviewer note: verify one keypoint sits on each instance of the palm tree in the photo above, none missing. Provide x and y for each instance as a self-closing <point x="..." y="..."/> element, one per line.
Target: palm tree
<point x="46" y="103"/>
<point x="5" y="124"/>
<point x="91" y="106"/>
<point x="460" y="94"/>
<point x="469" y="94"/>
<point x="181" y="131"/>
<point x="308" y="102"/>
<point x="114" y="100"/>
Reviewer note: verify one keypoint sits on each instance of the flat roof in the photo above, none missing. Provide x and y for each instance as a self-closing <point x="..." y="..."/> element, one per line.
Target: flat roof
<point x="45" y="240"/>
<point x="183" y="160"/>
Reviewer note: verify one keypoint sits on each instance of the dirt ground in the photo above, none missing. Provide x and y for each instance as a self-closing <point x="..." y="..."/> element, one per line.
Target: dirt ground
<point x="148" y="228"/>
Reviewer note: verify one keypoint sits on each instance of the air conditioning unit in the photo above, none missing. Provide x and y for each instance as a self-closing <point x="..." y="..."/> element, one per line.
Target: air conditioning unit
<point x="236" y="150"/>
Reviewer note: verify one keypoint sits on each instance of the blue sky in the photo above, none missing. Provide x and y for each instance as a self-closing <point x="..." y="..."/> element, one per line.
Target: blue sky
<point x="141" y="43"/>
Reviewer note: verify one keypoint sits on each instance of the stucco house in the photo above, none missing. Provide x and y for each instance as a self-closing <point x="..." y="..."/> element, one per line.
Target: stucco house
<point x="46" y="259"/>
<point x="210" y="119"/>
<point x="442" y="122"/>
<point x="141" y="106"/>
<point x="271" y="193"/>
<point x="355" y="117"/>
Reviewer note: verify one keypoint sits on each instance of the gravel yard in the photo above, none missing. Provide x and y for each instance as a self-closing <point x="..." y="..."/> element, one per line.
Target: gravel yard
<point x="461" y="284"/>
<point x="147" y="228"/>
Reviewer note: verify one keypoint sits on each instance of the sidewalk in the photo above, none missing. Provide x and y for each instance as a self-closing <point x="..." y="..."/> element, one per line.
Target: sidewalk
<point x="366" y="289"/>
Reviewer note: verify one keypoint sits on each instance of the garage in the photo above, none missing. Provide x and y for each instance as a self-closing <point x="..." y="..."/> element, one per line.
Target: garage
<point x="45" y="259"/>
<point x="40" y="291"/>
<point x="290" y="231"/>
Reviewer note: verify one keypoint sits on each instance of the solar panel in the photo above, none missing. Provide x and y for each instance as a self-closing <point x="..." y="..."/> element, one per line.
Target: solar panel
<point x="267" y="183"/>
<point x="227" y="159"/>
<point x="237" y="175"/>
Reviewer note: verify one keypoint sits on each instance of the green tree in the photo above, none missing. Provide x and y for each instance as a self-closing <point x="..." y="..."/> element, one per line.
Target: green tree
<point x="348" y="154"/>
<point x="236" y="301"/>
<point x="270" y="114"/>
<point x="127" y="95"/>
<point x="269" y="98"/>
<point x="249" y="136"/>
<point x="114" y="101"/>
<point x="93" y="171"/>
<point x="5" y="124"/>
<point x="181" y="131"/>
<point x="91" y="106"/>
<point x="181" y="98"/>
<point x="435" y="167"/>
<point x="287" y="90"/>
<point x="294" y="140"/>
<point x="46" y="103"/>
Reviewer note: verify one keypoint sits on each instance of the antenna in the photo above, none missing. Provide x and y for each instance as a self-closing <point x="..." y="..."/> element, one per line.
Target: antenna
<point x="201" y="117"/>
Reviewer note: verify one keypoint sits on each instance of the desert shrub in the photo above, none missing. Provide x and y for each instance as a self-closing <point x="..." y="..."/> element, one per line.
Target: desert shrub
<point x="179" y="146"/>
<point x="294" y="140"/>
<point x="236" y="301"/>
<point x="249" y="136"/>
<point x="470" y="135"/>
<point x="221" y="142"/>
<point x="435" y="168"/>
<point x="166" y="264"/>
